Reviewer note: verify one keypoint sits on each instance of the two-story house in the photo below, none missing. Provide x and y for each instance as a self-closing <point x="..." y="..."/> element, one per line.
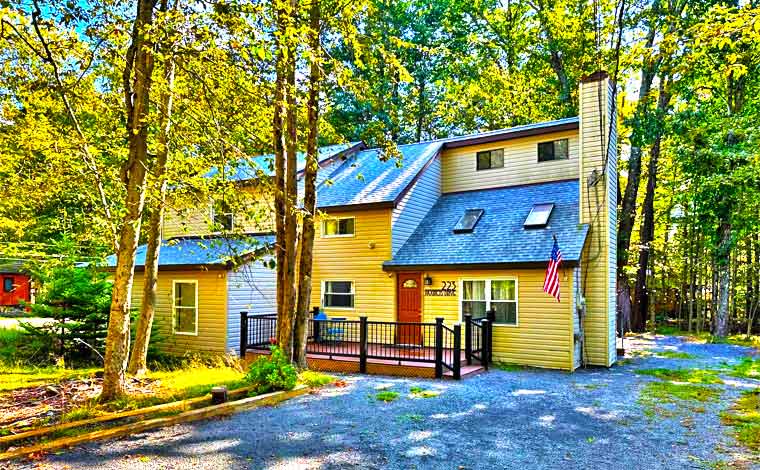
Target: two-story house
<point x="463" y="226"/>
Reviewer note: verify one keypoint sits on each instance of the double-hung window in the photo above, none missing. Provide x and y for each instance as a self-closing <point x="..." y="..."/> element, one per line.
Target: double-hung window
<point x="185" y="305"/>
<point x="338" y="227"/>
<point x="338" y="294"/>
<point x="499" y="295"/>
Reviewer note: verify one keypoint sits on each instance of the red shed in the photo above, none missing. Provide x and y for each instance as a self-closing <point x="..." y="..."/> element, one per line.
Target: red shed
<point x="16" y="287"/>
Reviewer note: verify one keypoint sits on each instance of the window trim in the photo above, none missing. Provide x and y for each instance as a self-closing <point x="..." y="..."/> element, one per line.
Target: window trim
<point x="323" y="291"/>
<point x="488" y="280"/>
<point x="477" y="160"/>
<point x="174" y="306"/>
<point x="213" y="219"/>
<point x="345" y="235"/>
<point x="553" y="141"/>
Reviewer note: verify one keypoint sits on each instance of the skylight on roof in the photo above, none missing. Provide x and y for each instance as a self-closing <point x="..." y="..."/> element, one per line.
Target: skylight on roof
<point x="468" y="221"/>
<point x="539" y="215"/>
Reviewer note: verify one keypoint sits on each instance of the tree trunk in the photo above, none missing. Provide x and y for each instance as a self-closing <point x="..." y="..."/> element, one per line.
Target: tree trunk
<point x="279" y="158"/>
<point x="290" y="221"/>
<point x="139" y="354"/>
<point x="310" y="193"/>
<point x="723" y="266"/>
<point x="137" y="82"/>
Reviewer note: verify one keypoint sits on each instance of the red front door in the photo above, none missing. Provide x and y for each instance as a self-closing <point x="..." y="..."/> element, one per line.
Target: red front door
<point x="409" y="308"/>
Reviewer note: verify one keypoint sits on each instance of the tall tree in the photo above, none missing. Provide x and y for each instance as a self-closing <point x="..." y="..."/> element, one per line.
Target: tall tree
<point x="139" y="354"/>
<point x="137" y="81"/>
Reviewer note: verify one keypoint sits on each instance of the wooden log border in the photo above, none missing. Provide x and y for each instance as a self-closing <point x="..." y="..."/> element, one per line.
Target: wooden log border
<point x="172" y="406"/>
<point x="185" y="417"/>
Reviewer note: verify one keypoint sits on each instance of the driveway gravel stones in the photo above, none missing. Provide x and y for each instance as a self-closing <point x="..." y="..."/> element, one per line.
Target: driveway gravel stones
<point x="524" y="419"/>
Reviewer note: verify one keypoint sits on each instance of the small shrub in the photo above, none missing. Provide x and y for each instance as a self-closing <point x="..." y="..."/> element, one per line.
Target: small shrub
<point x="386" y="396"/>
<point x="273" y="372"/>
<point x="315" y="379"/>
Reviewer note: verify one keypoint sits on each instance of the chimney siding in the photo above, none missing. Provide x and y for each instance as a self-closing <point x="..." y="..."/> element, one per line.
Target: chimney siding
<point x="599" y="209"/>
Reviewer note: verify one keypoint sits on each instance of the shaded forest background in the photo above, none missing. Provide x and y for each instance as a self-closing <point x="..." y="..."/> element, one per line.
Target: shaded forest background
<point x="393" y="72"/>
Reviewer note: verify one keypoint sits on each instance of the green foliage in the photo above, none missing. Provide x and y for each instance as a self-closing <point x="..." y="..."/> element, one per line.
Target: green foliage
<point x="315" y="379"/>
<point x="419" y="392"/>
<point x="697" y="376"/>
<point x="272" y="372"/>
<point x="77" y="300"/>
<point x="674" y="355"/>
<point x="748" y="368"/>
<point x="386" y="396"/>
<point x="744" y="416"/>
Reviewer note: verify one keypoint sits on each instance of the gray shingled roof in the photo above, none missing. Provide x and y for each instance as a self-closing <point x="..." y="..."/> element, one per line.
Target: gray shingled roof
<point x="211" y="250"/>
<point x="366" y="178"/>
<point x="499" y="237"/>
<point x="247" y="169"/>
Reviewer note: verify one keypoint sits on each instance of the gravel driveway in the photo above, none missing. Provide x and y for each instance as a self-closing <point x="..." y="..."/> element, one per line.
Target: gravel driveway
<point x="502" y="419"/>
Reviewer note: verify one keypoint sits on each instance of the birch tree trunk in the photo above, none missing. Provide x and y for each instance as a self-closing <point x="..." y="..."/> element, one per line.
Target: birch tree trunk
<point x="139" y="354"/>
<point x="310" y="192"/>
<point x="137" y="75"/>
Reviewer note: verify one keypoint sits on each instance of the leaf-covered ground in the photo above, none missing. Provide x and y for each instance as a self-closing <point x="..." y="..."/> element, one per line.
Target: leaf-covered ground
<point x="666" y="406"/>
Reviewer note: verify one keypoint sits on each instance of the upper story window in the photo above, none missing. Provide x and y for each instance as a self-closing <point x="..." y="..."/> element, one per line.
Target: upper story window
<point x="338" y="227"/>
<point x="223" y="217"/>
<point x="490" y="159"/>
<point x="468" y="221"/>
<point x="554" y="150"/>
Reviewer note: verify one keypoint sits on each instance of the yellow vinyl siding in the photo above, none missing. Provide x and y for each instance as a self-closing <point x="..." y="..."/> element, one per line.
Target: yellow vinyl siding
<point x="212" y="311"/>
<point x="543" y="336"/>
<point x="521" y="166"/>
<point x="595" y="279"/>
<point x="352" y="259"/>
<point x="196" y="219"/>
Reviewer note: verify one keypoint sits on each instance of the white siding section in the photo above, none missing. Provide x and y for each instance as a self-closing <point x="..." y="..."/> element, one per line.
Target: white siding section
<point x="415" y="205"/>
<point x="251" y="288"/>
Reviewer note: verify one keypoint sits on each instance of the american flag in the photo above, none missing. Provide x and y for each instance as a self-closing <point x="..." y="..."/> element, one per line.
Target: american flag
<point x="551" y="281"/>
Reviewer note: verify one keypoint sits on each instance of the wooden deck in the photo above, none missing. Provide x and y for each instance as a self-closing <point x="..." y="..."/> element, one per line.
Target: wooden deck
<point x="323" y="357"/>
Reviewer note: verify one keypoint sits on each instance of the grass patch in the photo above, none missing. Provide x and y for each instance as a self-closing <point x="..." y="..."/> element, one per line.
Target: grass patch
<point x="674" y="355"/>
<point x="411" y="418"/>
<point x="315" y="379"/>
<point x="386" y="396"/>
<point x="744" y="417"/>
<point x="695" y="376"/>
<point x="13" y="377"/>
<point x="508" y="366"/>
<point x="668" y="392"/>
<point x="419" y="392"/>
<point x="747" y="368"/>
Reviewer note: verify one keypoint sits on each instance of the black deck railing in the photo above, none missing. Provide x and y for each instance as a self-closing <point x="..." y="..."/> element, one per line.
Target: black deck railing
<point x="403" y="343"/>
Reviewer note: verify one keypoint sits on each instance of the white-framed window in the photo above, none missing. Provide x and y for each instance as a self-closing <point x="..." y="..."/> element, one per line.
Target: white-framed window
<point x="338" y="294"/>
<point x="222" y="217"/>
<point x="481" y="295"/>
<point x="338" y="227"/>
<point x="185" y="307"/>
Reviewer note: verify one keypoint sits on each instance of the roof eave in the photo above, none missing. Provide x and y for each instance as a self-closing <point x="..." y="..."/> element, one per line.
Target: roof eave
<point x="472" y="266"/>
<point x="512" y="134"/>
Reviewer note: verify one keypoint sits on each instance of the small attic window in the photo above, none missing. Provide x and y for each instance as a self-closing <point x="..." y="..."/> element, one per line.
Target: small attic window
<point x="468" y="221"/>
<point x="539" y="215"/>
